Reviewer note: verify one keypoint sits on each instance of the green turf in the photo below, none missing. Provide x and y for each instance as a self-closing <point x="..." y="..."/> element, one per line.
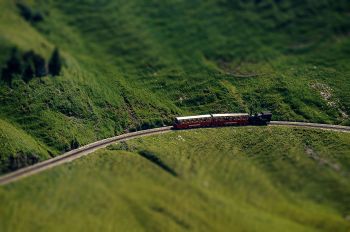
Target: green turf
<point x="136" y="64"/>
<point x="228" y="179"/>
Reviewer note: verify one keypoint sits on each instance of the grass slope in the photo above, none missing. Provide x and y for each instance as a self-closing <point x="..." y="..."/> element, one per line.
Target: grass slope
<point x="136" y="64"/>
<point x="18" y="149"/>
<point x="242" y="179"/>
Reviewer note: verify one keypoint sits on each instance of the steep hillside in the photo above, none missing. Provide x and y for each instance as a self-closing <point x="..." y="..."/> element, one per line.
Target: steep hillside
<point x="241" y="179"/>
<point x="136" y="64"/>
<point x="18" y="149"/>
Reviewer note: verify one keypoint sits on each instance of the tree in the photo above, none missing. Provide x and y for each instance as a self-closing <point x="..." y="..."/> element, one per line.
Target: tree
<point x="6" y="76"/>
<point x="14" y="63"/>
<point x="13" y="67"/>
<point x="36" y="63"/>
<point x="40" y="65"/>
<point x="55" y="63"/>
<point x="29" y="72"/>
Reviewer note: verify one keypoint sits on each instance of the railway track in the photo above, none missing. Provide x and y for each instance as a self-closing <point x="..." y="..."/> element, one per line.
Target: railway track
<point x="311" y="125"/>
<point x="75" y="154"/>
<point x="85" y="150"/>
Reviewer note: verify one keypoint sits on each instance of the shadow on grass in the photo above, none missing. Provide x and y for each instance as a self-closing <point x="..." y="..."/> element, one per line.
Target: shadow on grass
<point x="157" y="161"/>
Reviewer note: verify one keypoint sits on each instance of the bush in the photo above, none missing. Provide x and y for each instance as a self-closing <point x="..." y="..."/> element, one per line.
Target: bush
<point x="37" y="17"/>
<point x="28" y="14"/>
<point x="21" y="160"/>
<point x="25" y="11"/>
<point x="74" y="144"/>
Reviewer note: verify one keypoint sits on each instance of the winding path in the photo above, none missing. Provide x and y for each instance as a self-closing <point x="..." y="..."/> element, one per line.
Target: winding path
<point x="85" y="150"/>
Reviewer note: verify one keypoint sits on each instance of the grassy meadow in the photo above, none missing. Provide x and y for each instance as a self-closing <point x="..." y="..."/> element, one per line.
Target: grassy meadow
<point x="131" y="65"/>
<point x="223" y="179"/>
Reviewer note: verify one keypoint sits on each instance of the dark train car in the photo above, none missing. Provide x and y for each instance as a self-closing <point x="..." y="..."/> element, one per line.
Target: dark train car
<point x="260" y="119"/>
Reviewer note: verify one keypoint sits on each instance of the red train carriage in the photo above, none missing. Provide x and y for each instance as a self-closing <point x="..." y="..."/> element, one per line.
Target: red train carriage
<point x="193" y="121"/>
<point x="238" y="119"/>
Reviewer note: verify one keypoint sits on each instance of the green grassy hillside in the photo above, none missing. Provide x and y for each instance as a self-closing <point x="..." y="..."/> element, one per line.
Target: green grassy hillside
<point x="18" y="149"/>
<point x="229" y="179"/>
<point x="136" y="64"/>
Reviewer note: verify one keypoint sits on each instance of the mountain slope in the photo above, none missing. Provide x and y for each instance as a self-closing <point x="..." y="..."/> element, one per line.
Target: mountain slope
<point x="223" y="179"/>
<point x="136" y="64"/>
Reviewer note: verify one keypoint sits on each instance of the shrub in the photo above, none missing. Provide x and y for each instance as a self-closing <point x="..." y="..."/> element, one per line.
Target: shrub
<point x="25" y="11"/>
<point x="74" y="144"/>
<point x="21" y="160"/>
<point x="28" y="14"/>
<point x="37" y="17"/>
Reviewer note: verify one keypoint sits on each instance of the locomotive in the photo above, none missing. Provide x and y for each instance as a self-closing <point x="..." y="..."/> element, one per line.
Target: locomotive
<point x="217" y="120"/>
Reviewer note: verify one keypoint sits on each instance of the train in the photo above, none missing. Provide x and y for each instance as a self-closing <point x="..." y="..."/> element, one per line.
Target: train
<point x="219" y="120"/>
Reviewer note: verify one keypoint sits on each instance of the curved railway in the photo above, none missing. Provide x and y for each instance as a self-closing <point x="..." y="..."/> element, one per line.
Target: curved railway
<point x="85" y="150"/>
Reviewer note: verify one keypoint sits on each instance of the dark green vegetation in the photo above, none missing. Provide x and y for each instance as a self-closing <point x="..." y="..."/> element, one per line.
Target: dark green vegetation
<point x="29" y="65"/>
<point x="135" y="64"/>
<point x="229" y="179"/>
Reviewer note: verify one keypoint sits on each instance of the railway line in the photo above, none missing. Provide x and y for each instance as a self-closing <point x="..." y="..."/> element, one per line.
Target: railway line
<point x="311" y="125"/>
<point x="85" y="150"/>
